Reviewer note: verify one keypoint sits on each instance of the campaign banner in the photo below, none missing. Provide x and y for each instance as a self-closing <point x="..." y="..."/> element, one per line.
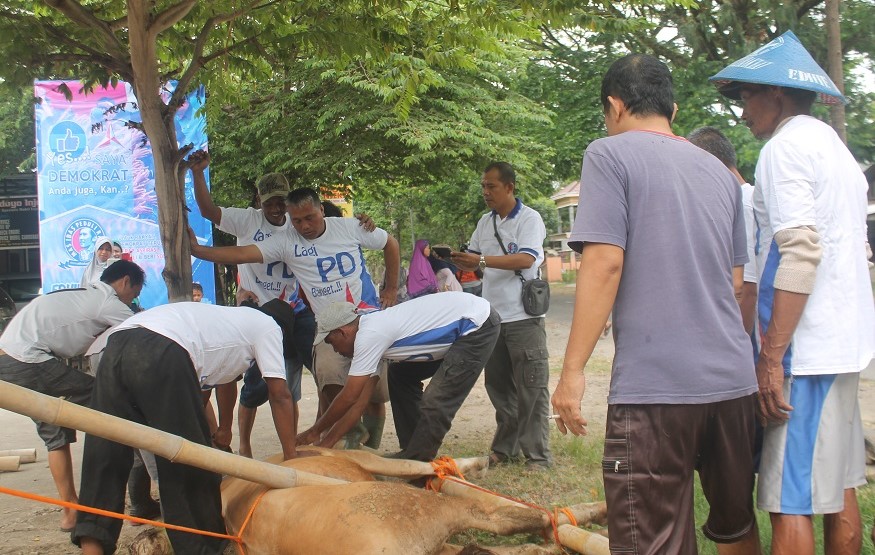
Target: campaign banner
<point x="95" y="177"/>
<point x="18" y="222"/>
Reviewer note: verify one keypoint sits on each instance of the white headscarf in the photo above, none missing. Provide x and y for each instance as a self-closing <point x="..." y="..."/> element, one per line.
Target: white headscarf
<point x="95" y="268"/>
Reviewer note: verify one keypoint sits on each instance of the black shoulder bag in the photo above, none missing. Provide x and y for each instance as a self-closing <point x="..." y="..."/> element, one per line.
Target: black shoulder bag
<point x="536" y="292"/>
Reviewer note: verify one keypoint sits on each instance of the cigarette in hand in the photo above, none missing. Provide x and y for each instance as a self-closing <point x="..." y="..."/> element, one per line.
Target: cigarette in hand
<point x="554" y="417"/>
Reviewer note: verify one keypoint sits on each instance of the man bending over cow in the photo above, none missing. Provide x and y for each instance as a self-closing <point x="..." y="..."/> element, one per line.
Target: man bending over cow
<point x="62" y="325"/>
<point x="446" y="337"/>
<point x="153" y="371"/>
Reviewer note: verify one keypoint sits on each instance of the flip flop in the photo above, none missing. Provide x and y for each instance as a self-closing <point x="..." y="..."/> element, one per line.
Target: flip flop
<point x="68" y="530"/>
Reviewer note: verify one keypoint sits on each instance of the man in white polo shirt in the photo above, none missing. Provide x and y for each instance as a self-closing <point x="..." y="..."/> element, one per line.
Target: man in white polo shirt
<point x="517" y="374"/>
<point x="62" y="325"/>
<point x="155" y="368"/>
<point x="446" y="337"/>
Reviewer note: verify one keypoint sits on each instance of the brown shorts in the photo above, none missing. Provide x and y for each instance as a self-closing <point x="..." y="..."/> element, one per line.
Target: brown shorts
<point x="651" y="452"/>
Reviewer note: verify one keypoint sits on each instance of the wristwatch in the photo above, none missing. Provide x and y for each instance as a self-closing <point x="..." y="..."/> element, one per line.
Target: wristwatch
<point x="482" y="264"/>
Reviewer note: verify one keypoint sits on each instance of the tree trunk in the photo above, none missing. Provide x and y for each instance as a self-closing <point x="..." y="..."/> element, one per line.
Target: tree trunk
<point x="834" y="64"/>
<point x="158" y="125"/>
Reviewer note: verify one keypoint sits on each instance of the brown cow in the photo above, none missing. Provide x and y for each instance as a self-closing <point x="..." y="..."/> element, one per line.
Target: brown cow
<point x="364" y="516"/>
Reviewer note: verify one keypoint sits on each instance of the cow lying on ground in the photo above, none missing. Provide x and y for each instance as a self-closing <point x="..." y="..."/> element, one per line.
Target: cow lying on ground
<point x="364" y="516"/>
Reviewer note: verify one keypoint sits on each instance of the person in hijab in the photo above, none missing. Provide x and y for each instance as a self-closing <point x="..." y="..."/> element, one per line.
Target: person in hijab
<point x="445" y="273"/>
<point x="100" y="260"/>
<point x="421" y="278"/>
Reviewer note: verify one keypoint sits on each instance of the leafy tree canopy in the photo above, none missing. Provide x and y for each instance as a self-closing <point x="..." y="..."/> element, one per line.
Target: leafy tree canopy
<point x="696" y="41"/>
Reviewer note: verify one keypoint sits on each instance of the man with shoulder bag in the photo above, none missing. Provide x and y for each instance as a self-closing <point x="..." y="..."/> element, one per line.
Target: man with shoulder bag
<point x="507" y="247"/>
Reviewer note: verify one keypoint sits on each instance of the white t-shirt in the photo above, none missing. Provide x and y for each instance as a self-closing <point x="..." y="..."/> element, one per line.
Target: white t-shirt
<point x="271" y="279"/>
<point x="421" y="329"/>
<point x="330" y="268"/>
<point x="750" y="226"/>
<point x="63" y="323"/>
<point x="522" y="231"/>
<point x="222" y="341"/>
<point x="806" y="176"/>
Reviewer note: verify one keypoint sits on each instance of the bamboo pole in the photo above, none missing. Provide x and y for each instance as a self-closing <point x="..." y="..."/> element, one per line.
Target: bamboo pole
<point x="25" y="455"/>
<point x="398" y="468"/>
<point x="582" y="541"/>
<point x="9" y="464"/>
<point x="174" y="448"/>
<point x="570" y="536"/>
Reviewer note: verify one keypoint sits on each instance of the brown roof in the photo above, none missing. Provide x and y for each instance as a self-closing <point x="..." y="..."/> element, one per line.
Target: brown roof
<point x="572" y="189"/>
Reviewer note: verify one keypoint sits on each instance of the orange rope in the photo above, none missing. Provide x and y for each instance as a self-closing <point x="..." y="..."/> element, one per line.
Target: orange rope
<point x="567" y="512"/>
<point x="238" y="539"/>
<point x="249" y="516"/>
<point x="446" y="466"/>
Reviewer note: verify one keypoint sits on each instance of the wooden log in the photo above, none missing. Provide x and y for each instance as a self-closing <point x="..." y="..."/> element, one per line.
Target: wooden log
<point x="25" y="455"/>
<point x="9" y="464"/>
<point x="174" y="448"/>
<point x="398" y="468"/>
<point x="580" y="540"/>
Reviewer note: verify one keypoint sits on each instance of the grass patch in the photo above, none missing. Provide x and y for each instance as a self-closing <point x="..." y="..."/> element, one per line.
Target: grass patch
<point x="576" y="478"/>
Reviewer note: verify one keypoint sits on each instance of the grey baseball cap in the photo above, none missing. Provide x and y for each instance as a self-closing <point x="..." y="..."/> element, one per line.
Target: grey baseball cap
<point x="335" y="316"/>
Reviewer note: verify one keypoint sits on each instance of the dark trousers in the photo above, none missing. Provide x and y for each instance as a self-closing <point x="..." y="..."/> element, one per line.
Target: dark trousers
<point x="423" y="418"/>
<point x="517" y="379"/>
<point x="149" y="379"/>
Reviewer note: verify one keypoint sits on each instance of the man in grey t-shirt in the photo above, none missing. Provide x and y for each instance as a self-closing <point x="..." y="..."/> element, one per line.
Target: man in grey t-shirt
<point x="661" y="232"/>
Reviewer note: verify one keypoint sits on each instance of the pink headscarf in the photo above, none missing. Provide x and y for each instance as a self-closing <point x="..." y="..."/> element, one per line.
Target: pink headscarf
<point x="420" y="279"/>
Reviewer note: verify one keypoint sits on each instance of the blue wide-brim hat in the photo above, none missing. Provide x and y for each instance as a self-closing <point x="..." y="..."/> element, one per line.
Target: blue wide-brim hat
<point x="784" y="62"/>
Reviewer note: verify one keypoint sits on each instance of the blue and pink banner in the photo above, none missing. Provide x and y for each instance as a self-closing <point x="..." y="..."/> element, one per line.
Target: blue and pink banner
<point x="95" y="176"/>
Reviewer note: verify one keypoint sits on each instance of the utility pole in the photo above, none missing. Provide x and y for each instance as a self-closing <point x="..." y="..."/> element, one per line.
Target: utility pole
<point x="834" y="64"/>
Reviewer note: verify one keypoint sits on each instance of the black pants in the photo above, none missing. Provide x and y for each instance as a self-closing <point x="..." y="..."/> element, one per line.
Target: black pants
<point x="423" y="418"/>
<point x="149" y="379"/>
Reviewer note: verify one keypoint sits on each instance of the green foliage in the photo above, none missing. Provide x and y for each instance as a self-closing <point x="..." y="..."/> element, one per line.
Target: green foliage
<point x="696" y="40"/>
<point x="402" y="103"/>
<point x="16" y="129"/>
<point x="547" y="209"/>
<point x="417" y="175"/>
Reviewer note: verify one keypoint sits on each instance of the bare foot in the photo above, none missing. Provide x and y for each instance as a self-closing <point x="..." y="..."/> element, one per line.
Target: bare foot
<point x="68" y="519"/>
<point x="245" y="452"/>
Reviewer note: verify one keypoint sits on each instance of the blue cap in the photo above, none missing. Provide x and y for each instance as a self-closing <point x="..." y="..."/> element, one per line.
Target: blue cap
<point x="784" y="62"/>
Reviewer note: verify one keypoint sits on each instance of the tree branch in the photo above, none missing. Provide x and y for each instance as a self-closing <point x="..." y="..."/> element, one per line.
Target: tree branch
<point x="90" y="55"/>
<point x="200" y="43"/>
<point x="805" y="7"/>
<point x="169" y="17"/>
<point x="118" y="24"/>
<point x="79" y="14"/>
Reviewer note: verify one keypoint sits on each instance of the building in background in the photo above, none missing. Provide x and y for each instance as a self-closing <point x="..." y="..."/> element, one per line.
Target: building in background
<point x="19" y="238"/>
<point x="566" y="200"/>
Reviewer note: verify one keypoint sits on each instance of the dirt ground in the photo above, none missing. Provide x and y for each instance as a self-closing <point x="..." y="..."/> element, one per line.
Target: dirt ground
<point x="31" y="528"/>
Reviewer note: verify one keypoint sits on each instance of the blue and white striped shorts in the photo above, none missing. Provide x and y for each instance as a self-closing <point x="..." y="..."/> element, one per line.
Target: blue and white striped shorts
<point x="810" y="460"/>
